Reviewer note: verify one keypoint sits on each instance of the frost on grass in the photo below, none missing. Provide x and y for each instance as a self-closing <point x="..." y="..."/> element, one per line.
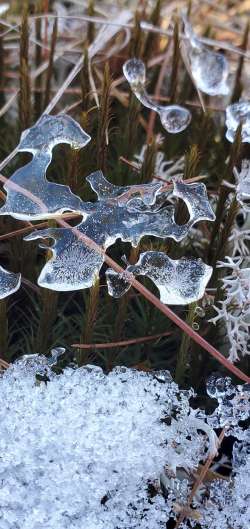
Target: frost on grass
<point x="30" y="196"/>
<point x="179" y="281"/>
<point x="83" y="448"/>
<point x="127" y="213"/>
<point x="9" y="282"/>
<point x="174" y="118"/>
<point x="209" y="69"/>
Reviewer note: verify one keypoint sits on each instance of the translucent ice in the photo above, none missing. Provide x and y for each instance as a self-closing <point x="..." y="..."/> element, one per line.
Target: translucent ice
<point x="30" y="196"/>
<point x="9" y="282"/>
<point x="236" y="114"/>
<point x="209" y="69"/>
<point x="179" y="281"/>
<point x="127" y="213"/>
<point x="174" y="118"/>
<point x="233" y="404"/>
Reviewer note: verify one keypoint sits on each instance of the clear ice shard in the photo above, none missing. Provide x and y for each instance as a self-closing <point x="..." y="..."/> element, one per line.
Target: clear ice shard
<point x="174" y="118"/>
<point x="236" y="114"/>
<point x="30" y="196"/>
<point x="128" y="214"/>
<point x="9" y="282"/>
<point x="209" y="69"/>
<point x="179" y="282"/>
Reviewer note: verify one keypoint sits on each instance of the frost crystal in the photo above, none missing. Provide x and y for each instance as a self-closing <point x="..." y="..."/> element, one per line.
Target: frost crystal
<point x="179" y="282"/>
<point x="174" y="118"/>
<point x="82" y="449"/>
<point x="236" y="114"/>
<point x="164" y="169"/>
<point x="30" y="196"/>
<point x="234" y="309"/>
<point x="209" y="69"/>
<point x="9" y="282"/>
<point x="127" y="213"/>
<point x="243" y="185"/>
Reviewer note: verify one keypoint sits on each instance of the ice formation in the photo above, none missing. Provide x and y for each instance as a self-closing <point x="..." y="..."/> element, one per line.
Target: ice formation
<point x="227" y="502"/>
<point x="128" y="213"/>
<point x="209" y="69"/>
<point x="9" y="282"/>
<point x="168" y="170"/>
<point x="236" y="114"/>
<point x="30" y="196"/>
<point x="227" y="505"/>
<point x="243" y="185"/>
<point x="174" y="118"/>
<point x="81" y="448"/>
<point x="179" y="282"/>
<point x="234" y="309"/>
<point x="233" y="406"/>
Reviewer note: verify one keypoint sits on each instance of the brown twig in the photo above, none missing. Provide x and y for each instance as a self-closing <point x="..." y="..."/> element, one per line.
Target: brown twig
<point x="123" y="343"/>
<point x="199" y="480"/>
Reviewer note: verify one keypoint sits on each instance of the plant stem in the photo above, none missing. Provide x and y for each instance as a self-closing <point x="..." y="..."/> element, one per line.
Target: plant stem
<point x="183" y="353"/>
<point x="89" y="320"/>
<point x="3" y="329"/>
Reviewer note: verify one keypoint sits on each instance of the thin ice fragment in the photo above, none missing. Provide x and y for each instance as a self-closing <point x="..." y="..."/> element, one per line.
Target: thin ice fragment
<point x="127" y="213"/>
<point x="174" y="118"/>
<point x="73" y="265"/>
<point x="105" y="190"/>
<point x="9" y="282"/>
<point x="179" y="282"/>
<point x="38" y="198"/>
<point x="209" y="69"/>
<point x="236" y="114"/>
<point x="195" y="197"/>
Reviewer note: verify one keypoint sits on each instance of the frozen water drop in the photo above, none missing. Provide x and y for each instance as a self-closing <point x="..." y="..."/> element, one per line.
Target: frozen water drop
<point x="174" y="118"/>
<point x="135" y="72"/>
<point x="209" y="69"/>
<point x="200" y="312"/>
<point x="236" y="114"/>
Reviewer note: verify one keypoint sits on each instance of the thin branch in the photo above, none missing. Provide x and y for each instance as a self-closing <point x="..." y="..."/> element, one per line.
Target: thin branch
<point x="199" y="480"/>
<point x="124" y="343"/>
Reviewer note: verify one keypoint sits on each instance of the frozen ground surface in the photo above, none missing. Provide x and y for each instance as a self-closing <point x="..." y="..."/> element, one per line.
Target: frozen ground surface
<point x="85" y="450"/>
<point x="80" y="450"/>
